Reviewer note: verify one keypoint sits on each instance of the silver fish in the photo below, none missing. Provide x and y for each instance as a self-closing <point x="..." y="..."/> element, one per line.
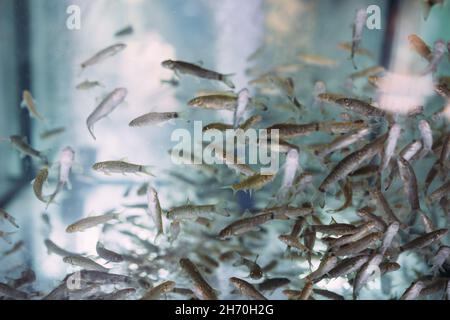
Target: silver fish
<point x="103" y="54"/>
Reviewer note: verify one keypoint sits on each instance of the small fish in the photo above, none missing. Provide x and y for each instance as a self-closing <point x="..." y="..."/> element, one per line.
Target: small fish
<point x="217" y="126"/>
<point x="254" y="182"/>
<point x="173" y="82"/>
<point x="108" y="255"/>
<point x="38" y="185"/>
<point x="352" y="161"/>
<point x="88" y="85"/>
<point x="419" y="46"/>
<point x="104" y="54"/>
<point x="386" y="267"/>
<point x="410" y="187"/>
<point x="159" y="290"/>
<point x="247" y="289"/>
<point x="52" y="133"/>
<point x="273" y="284"/>
<point x="201" y="287"/>
<point x="109" y="103"/>
<point x="437" y="56"/>
<point x="20" y="143"/>
<point x="368" y="72"/>
<point x="367" y="270"/>
<point x="438" y="260"/>
<point x="347" y="46"/>
<point x="243" y="100"/>
<point x="379" y="197"/>
<point x="360" y="232"/>
<point x="358" y="245"/>
<point x="256" y="272"/>
<point x="327" y="263"/>
<point x="65" y="164"/>
<point x="29" y="103"/>
<point x="248" y="224"/>
<point x="427" y="137"/>
<point x="347" y="189"/>
<point x="153" y="118"/>
<point x="91" y="222"/>
<point x="357" y="32"/>
<point x="330" y="97"/>
<point x="125" y="31"/>
<point x="6" y="290"/>
<point x="316" y="60"/>
<point x="424" y="241"/>
<point x="54" y="248"/>
<point x="328" y="294"/>
<point x="181" y="67"/>
<point x="4" y="235"/>
<point x="215" y="102"/>
<point x="391" y="143"/>
<point x="347" y="266"/>
<point x="337" y="229"/>
<point x="389" y="235"/>
<point x="413" y="291"/>
<point x="360" y="107"/>
<point x="341" y="142"/>
<point x="293" y="242"/>
<point x="16" y="247"/>
<point x="108" y="167"/>
<point x="307" y="290"/>
<point x="154" y="210"/>
<point x="190" y="211"/>
<point x="6" y="216"/>
<point x="84" y="263"/>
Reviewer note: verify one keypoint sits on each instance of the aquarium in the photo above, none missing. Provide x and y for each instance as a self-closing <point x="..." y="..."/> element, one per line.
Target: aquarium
<point x="226" y="150"/>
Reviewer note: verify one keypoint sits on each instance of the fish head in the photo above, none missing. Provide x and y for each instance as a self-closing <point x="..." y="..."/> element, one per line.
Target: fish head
<point x="168" y="64"/>
<point x="196" y="102"/>
<point x="98" y="166"/>
<point x="71" y="229"/>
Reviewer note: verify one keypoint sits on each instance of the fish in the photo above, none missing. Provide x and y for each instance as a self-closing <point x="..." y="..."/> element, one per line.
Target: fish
<point x="413" y="291"/>
<point x="360" y="107"/>
<point x="5" y="235"/>
<point x="123" y="167"/>
<point x="359" y="245"/>
<point x="427" y="137"/>
<point x="286" y="85"/>
<point x="243" y="100"/>
<point x="389" y="235"/>
<point x="247" y="224"/>
<point x="327" y="263"/>
<point x="367" y="270"/>
<point x="347" y="46"/>
<point x="154" y="210"/>
<point x="88" y="85"/>
<point x="153" y="118"/>
<point x="108" y="255"/>
<point x="159" y="290"/>
<point x="106" y="107"/>
<point x="420" y="47"/>
<point x="103" y="55"/>
<point x="337" y="229"/>
<point x="173" y="82"/>
<point x="20" y="143"/>
<point x="54" y="248"/>
<point x="65" y="164"/>
<point x="6" y="216"/>
<point x="438" y="260"/>
<point x="84" y="263"/>
<point x="16" y="247"/>
<point x="38" y="185"/>
<point x="341" y="142"/>
<point x="215" y="102"/>
<point x="379" y="197"/>
<point x="410" y="187"/>
<point x="125" y="31"/>
<point x="357" y="32"/>
<point x="293" y="242"/>
<point x="316" y="60"/>
<point x="190" y="211"/>
<point x="351" y="162"/>
<point x="306" y="292"/>
<point x="292" y="130"/>
<point x="247" y="289"/>
<point x="329" y="97"/>
<point x="439" y="48"/>
<point x="52" y="133"/>
<point x="328" y="294"/>
<point x="391" y="143"/>
<point x="29" y="103"/>
<point x="254" y="182"/>
<point x="347" y="266"/>
<point x="256" y="272"/>
<point x="347" y="189"/>
<point x="359" y="232"/>
<point x="273" y="284"/>
<point x="424" y="240"/>
<point x="368" y="72"/>
<point x="91" y="222"/>
<point x="26" y="277"/>
<point x="201" y="288"/>
<point x="6" y="290"/>
<point x="181" y="67"/>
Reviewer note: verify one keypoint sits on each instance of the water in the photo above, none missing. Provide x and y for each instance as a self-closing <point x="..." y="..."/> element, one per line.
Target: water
<point x="44" y="56"/>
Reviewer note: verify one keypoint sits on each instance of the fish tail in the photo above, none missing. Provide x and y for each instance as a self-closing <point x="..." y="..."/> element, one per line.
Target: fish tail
<point x="225" y="78"/>
<point x="91" y="131"/>
<point x="148" y="170"/>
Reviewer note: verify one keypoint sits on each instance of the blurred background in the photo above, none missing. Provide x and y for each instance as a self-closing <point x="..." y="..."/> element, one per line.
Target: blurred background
<point x="41" y="54"/>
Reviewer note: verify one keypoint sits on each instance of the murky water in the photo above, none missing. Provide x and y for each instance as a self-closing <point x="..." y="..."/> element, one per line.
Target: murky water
<point x="283" y="51"/>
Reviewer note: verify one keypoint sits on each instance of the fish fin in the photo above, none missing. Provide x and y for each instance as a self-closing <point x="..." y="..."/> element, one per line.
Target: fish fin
<point x="225" y="78"/>
<point x="91" y="131"/>
<point x="222" y="209"/>
<point x="229" y="187"/>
